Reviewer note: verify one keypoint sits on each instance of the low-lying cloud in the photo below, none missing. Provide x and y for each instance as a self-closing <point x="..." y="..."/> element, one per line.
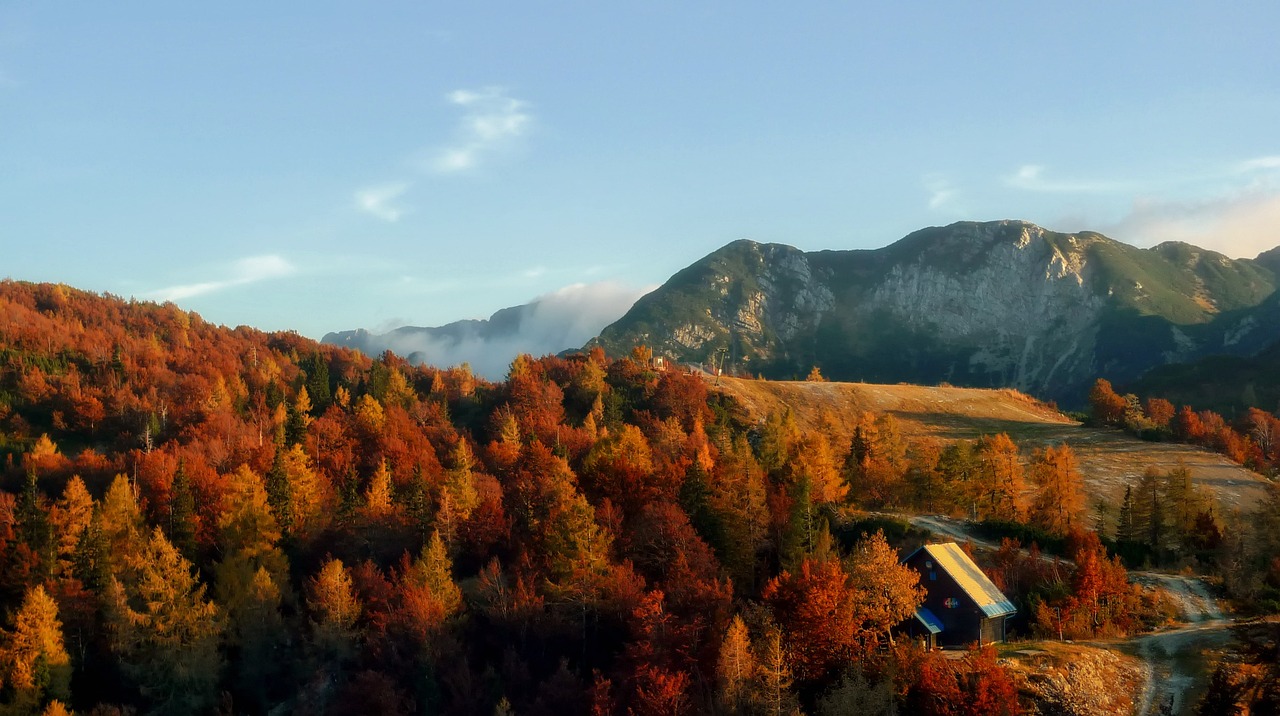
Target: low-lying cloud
<point x="557" y="321"/>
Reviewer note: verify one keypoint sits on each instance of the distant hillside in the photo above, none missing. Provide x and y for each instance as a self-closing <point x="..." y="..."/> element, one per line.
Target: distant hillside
<point x="980" y="304"/>
<point x="96" y="371"/>
<point x="1226" y="384"/>
<point x="1109" y="459"/>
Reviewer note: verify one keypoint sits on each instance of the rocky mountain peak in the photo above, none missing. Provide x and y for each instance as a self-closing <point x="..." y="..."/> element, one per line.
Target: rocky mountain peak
<point x="1005" y="303"/>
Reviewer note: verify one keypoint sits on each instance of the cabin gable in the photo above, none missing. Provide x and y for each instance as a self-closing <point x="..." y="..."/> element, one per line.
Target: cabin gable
<point x="959" y="598"/>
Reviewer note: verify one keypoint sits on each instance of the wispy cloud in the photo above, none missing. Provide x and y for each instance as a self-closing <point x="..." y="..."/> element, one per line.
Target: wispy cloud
<point x="1259" y="163"/>
<point x="1232" y="208"/>
<point x="245" y="271"/>
<point x="378" y="200"/>
<point x="1031" y="177"/>
<point x="941" y="192"/>
<point x="1240" y="224"/>
<point x="492" y="121"/>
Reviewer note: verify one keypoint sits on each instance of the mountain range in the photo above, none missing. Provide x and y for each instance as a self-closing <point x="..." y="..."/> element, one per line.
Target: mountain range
<point x="1004" y="303"/>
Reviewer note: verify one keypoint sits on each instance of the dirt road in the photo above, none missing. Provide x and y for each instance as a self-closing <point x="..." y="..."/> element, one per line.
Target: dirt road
<point x="1176" y="659"/>
<point x="949" y="527"/>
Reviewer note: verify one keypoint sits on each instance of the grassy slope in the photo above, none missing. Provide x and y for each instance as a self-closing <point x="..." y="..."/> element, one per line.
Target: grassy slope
<point x="1108" y="459"/>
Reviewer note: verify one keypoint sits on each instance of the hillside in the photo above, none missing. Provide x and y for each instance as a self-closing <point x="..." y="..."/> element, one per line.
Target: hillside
<point x="1108" y="459"/>
<point x="1224" y="383"/>
<point x="193" y="515"/>
<point x="197" y="518"/>
<point x="979" y="304"/>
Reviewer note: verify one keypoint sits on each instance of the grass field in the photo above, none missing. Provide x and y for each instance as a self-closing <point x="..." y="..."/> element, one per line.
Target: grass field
<point x="1109" y="459"/>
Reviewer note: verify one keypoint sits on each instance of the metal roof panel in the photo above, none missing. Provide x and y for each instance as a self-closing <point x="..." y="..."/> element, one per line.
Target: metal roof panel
<point x="929" y="620"/>
<point x="971" y="579"/>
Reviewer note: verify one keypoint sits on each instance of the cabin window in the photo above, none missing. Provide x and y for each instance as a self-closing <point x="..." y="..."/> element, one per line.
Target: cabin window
<point x="928" y="564"/>
<point x="933" y="576"/>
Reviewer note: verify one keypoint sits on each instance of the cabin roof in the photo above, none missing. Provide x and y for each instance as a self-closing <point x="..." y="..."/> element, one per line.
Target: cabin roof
<point x="971" y="579"/>
<point x="929" y="620"/>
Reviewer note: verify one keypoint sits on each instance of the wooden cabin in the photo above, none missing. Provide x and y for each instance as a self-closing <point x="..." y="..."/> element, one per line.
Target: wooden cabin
<point x="962" y="605"/>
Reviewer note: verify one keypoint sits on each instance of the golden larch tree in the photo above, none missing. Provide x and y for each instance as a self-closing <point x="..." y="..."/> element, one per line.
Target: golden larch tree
<point x="814" y="459"/>
<point x="35" y="662"/>
<point x="377" y="497"/>
<point x="309" y="495"/>
<point x="69" y="517"/>
<point x="460" y="481"/>
<point x="1000" y="482"/>
<point x="885" y="591"/>
<point x="428" y="594"/>
<point x="166" y="632"/>
<point x="774" y="675"/>
<point x="334" y="608"/>
<point x="1059" y="501"/>
<point x="736" y="667"/>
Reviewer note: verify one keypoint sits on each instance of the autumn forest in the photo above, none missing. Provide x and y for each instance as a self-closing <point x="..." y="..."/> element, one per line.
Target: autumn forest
<point x="196" y="519"/>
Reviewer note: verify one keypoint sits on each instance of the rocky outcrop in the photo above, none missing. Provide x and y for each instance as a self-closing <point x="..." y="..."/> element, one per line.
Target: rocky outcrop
<point x="1028" y="309"/>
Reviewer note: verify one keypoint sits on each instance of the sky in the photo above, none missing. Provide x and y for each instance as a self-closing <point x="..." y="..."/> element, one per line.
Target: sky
<point x="320" y="166"/>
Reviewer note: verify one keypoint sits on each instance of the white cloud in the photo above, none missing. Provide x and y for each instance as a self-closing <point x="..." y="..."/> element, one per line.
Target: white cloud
<point x="561" y="320"/>
<point x="377" y="200"/>
<point x="941" y="192"/>
<point x="242" y="272"/>
<point x="455" y="160"/>
<point x="1259" y="163"/>
<point x="1240" y="224"/>
<point x="1030" y="177"/>
<point x="493" y="120"/>
<point x="1229" y="207"/>
<point x="1236" y="212"/>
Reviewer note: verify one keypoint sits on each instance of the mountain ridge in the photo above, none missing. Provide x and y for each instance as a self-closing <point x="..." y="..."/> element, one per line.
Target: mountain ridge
<point x="988" y="304"/>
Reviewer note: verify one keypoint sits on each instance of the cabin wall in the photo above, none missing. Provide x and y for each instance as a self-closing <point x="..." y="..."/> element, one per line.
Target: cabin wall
<point x="962" y="624"/>
<point x="992" y="629"/>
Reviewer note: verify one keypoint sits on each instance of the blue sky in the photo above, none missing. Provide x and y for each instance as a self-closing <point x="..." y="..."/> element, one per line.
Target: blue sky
<point x="321" y="166"/>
